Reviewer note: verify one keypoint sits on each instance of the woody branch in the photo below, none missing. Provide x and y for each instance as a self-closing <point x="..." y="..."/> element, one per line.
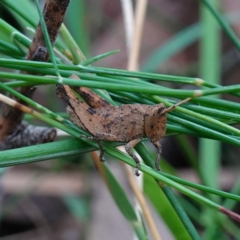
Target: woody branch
<point x="12" y="126"/>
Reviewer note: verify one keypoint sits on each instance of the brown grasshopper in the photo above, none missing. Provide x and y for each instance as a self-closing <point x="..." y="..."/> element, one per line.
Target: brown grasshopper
<point x="126" y="123"/>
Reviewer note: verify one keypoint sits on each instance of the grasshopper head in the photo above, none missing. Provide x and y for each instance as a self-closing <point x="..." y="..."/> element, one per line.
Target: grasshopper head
<point x="155" y="122"/>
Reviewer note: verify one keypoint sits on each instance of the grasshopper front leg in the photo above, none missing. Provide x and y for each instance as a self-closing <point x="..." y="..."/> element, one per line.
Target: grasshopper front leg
<point x="100" y="146"/>
<point x="128" y="149"/>
<point x="159" y="151"/>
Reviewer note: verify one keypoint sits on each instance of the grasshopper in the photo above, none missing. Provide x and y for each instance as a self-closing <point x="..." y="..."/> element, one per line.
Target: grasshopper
<point x="127" y="123"/>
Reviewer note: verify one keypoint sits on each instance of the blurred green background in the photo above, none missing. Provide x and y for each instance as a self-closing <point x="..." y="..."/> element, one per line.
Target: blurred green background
<point x="65" y="198"/>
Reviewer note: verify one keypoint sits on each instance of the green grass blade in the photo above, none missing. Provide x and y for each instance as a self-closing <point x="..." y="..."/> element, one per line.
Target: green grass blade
<point x="210" y="63"/>
<point x="77" y="14"/>
<point x="124" y="204"/>
<point x="47" y="39"/>
<point x="164" y="208"/>
<point x="168" y="192"/>
<point x="222" y="23"/>
<point x="174" y="45"/>
<point x="43" y="152"/>
<point x="24" y="12"/>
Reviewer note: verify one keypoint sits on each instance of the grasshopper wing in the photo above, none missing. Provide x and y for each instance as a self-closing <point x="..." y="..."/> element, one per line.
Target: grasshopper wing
<point x="122" y="123"/>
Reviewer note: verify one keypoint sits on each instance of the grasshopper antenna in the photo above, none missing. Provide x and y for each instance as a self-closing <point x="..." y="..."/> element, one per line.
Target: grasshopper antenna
<point x="175" y="105"/>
